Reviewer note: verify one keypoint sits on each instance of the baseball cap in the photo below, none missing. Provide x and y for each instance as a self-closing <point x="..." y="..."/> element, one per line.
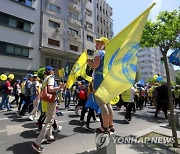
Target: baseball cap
<point x="30" y="76"/>
<point x="24" y="78"/>
<point x="49" y="68"/>
<point x="102" y="39"/>
<point x="35" y="75"/>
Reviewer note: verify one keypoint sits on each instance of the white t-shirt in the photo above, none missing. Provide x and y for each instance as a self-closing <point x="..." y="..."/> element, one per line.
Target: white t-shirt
<point x="132" y="92"/>
<point x="50" y="79"/>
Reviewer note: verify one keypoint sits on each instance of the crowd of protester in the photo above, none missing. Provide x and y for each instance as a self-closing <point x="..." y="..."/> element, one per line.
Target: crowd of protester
<point x="27" y="98"/>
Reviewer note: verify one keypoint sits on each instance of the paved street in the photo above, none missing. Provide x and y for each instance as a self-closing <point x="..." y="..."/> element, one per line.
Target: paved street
<point x="17" y="135"/>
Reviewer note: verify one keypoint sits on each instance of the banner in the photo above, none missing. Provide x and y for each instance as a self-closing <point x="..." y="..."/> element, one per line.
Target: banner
<point x="61" y="72"/>
<point x="120" y="59"/>
<point x="79" y="69"/>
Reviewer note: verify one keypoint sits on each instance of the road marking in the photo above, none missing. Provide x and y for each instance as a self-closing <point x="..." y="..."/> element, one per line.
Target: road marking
<point x="2" y="142"/>
<point x="3" y="130"/>
<point x="15" y="129"/>
<point x="4" y="118"/>
<point x="66" y="111"/>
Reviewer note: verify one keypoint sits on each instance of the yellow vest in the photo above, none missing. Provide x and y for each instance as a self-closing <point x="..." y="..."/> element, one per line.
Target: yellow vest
<point x="126" y="95"/>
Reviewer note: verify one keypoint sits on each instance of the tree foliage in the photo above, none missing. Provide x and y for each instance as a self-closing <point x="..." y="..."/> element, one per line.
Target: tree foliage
<point x="164" y="32"/>
<point x="40" y="73"/>
<point x="178" y="78"/>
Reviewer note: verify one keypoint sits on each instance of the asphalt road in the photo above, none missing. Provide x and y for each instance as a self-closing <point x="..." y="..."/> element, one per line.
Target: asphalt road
<point x="17" y="135"/>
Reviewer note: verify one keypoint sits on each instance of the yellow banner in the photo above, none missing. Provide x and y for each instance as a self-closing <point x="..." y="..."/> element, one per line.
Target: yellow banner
<point x="61" y="72"/>
<point x="120" y="59"/>
<point x="79" y="69"/>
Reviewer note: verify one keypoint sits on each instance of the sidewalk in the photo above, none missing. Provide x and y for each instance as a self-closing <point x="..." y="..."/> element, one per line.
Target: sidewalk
<point x="137" y="148"/>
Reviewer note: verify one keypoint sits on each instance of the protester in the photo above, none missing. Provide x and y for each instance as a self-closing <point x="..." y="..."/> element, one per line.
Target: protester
<point x="16" y="92"/>
<point x="46" y="131"/>
<point x="5" y="95"/>
<point x="128" y="98"/>
<point x="27" y="96"/>
<point x="35" y="96"/>
<point x="22" y="94"/>
<point x="162" y="100"/>
<point x="97" y="65"/>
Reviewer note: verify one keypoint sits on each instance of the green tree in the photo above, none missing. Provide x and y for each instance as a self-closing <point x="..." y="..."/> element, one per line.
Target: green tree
<point x="40" y="73"/>
<point x="178" y="78"/>
<point x="165" y="33"/>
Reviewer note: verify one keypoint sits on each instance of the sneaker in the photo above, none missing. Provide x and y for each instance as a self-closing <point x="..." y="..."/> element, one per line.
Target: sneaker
<point x="58" y="129"/>
<point x="126" y="121"/>
<point x="49" y="141"/>
<point x="88" y="128"/>
<point x="37" y="148"/>
<point x="31" y="117"/>
<point x="76" y="111"/>
<point x="97" y="120"/>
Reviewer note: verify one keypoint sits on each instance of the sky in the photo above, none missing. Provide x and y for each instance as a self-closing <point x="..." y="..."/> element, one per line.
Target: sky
<point x="125" y="11"/>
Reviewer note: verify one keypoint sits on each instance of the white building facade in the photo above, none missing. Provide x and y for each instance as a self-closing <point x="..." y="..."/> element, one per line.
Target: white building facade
<point x="37" y="33"/>
<point x="69" y="27"/>
<point x="19" y="36"/>
<point x="149" y="64"/>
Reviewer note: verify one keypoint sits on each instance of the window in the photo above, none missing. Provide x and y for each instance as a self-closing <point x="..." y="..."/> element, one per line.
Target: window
<point x="54" y="8"/>
<point x="54" y="24"/>
<point x="20" y="24"/>
<point x="73" y="47"/>
<point x="15" y="22"/>
<point x="13" y="49"/>
<point x="25" y="2"/>
<point x="73" y="15"/>
<point x="53" y="42"/>
<point x="73" y="31"/>
<point x="10" y="49"/>
<point x="97" y="17"/>
<point x="89" y="13"/>
<point x="88" y="25"/>
<point x="90" y="38"/>
<point x="100" y="7"/>
<point x="97" y="6"/>
<point x="12" y="22"/>
<point x="54" y="62"/>
<point x="90" y="1"/>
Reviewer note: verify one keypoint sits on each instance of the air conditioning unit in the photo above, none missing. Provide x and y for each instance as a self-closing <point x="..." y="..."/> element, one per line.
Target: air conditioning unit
<point x="57" y="29"/>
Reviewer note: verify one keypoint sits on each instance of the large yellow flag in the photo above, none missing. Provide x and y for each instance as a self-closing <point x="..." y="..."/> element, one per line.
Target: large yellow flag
<point x="120" y="59"/>
<point x="79" y="69"/>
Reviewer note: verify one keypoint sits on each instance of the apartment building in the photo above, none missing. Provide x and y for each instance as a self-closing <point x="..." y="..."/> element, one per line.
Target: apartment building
<point x="67" y="29"/>
<point x="36" y="33"/>
<point x="150" y="63"/>
<point x="19" y="36"/>
<point x="103" y="22"/>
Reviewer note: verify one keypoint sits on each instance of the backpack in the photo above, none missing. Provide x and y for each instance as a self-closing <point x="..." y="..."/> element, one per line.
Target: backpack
<point x="3" y="88"/>
<point x="82" y="94"/>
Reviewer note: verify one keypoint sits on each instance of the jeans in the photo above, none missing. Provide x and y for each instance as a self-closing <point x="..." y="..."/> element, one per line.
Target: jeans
<point x="67" y="100"/>
<point x="5" y="101"/>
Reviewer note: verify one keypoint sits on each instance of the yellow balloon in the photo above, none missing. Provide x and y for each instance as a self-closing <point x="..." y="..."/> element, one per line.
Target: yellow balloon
<point x="11" y="76"/>
<point x="115" y="100"/>
<point x="155" y="77"/>
<point x="3" y="77"/>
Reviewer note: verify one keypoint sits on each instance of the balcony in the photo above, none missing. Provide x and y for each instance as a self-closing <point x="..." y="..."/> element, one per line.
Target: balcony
<point x="74" y="5"/>
<point x="74" y="21"/>
<point x="74" y="36"/>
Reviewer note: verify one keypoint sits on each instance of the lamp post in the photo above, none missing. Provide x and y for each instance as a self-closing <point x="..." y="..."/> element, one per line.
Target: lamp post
<point x="83" y="15"/>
